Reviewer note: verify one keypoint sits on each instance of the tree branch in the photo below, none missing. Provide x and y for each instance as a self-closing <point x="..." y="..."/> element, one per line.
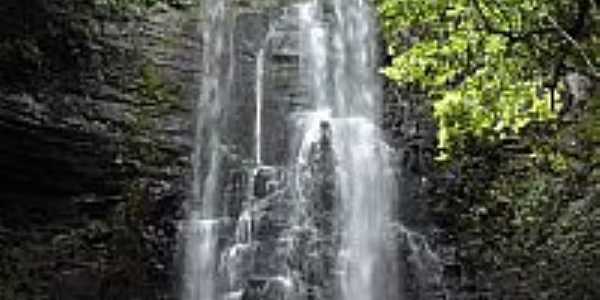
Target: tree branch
<point x="577" y="46"/>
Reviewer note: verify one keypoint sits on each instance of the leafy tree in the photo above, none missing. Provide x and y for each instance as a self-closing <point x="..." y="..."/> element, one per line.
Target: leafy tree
<point x="524" y="195"/>
<point x="491" y="67"/>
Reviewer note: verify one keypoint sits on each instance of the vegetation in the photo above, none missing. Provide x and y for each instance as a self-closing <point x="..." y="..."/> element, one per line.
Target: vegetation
<point x="492" y="67"/>
<point x="514" y="91"/>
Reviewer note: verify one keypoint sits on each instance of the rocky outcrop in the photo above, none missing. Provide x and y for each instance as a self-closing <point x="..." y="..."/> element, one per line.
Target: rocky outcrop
<point x="95" y="121"/>
<point x="411" y="130"/>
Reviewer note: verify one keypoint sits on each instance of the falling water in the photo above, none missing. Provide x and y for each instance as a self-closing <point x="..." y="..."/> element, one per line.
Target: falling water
<point x="323" y="224"/>
<point x="260" y="67"/>
<point x="203" y="222"/>
<point x="366" y="180"/>
<point x="344" y="52"/>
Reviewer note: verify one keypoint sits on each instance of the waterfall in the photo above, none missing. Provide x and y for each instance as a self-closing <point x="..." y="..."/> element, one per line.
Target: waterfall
<point x="260" y="66"/>
<point x="323" y="223"/>
<point x="202" y="225"/>
<point x="345" y="90"/>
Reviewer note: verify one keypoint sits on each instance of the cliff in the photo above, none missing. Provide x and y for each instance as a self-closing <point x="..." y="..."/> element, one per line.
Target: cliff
<point x="96" y="122"/>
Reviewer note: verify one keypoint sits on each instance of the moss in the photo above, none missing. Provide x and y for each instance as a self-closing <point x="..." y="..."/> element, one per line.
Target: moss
<point x="153" y="90"/>
<point x="155" y="98"/>
<point x="151" y="85"/>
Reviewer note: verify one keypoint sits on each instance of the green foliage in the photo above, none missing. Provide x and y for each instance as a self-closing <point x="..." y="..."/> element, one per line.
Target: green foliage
<point x="154" y="90"/>
<point x="536" y="211"/>
<point x="491" y="67"/>
<point x="524" y="153"/>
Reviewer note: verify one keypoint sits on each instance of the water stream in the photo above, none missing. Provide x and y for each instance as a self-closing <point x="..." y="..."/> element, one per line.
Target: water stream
<point x="260" y="68"/>
<point x="321" y="225"/>
<point x="345" y="52"/>
<point x="202" y="228"/>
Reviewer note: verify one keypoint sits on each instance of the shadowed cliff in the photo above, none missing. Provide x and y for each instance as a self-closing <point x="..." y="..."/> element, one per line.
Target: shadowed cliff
<point x="95" y="122"/>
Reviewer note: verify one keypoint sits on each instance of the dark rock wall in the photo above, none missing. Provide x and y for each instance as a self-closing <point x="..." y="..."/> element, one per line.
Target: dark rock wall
<point x="284" y="91"/>
<point x="95" y="122"/>
<point x="272" y="29"/>
<point x="249" y="35"/>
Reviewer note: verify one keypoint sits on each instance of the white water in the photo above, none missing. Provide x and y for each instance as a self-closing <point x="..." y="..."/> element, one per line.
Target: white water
<point x="223" y="256"/>
<point x="201" y="244"/>
<point x="314" y="37"/>
<point x="340" y="61"/>
<point x="202" y="226"/>
<point x="260" y="68"/>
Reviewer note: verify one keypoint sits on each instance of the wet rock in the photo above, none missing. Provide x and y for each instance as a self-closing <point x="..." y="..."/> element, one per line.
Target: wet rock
<point x="94" y="158"/>
<point x="78" y="284"/>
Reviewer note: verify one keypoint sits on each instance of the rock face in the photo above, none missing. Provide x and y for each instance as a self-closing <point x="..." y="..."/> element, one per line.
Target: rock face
<point x="274" y="30"/>
<point x="95" y="121"/>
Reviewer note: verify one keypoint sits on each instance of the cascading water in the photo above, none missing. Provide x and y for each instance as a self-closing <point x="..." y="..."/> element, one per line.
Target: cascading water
<point x="260" y="68"/>
<point x="345" y="53"/>
<point x="203" y="221"/>
<point x="321" y="225"/>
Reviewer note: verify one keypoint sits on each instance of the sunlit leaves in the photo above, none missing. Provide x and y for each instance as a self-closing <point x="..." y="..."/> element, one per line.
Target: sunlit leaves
<point x="473" y="59"/>
<point x="524" y="150"/>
